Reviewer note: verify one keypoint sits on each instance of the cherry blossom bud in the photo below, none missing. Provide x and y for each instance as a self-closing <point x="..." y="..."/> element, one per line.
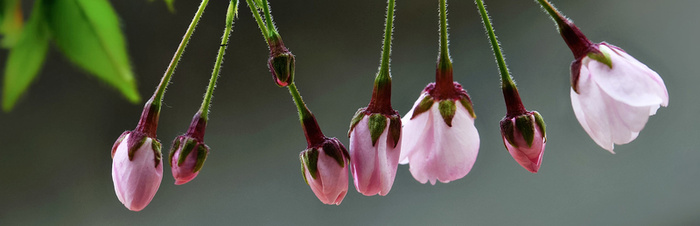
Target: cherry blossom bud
<point x="137" y="169"/>
<point x="325" y="170"/>
<point x="525" y="138"/>
<point x="439" y="138"/>
<point x="281" y="63"/>
<point x="186" y="158"/>
<point x="375" y="146"/>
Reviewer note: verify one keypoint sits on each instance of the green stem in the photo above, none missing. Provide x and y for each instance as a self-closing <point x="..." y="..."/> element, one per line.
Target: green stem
<point x="304" y="112"/>
<point x="270" y="26"/>
<point x="556" y="15"/>
<point x="383" y="75"/>
<point x="444" y="50"/>
<point x="506" y="80"/>
<point x="158" y="96"/>
<point x="230" y="15"/>
<point x="256" y="14"/>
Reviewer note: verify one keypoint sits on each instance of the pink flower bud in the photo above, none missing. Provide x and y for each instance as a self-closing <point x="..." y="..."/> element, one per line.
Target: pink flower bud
<point x="525" y="138"/>
<point x="137" y="169"/>
<point x="439" y="138"/>
<point x="613" y="95"/>
<point x="186" y="158"/>
<point x="375" y="146"/>
<point x="325" y="170"/>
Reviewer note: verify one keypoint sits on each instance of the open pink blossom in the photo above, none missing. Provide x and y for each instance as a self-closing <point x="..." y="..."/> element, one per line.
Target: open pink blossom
<point x="375" y="145"/>
<point x="325" y="169"/>
<point x="436" y="149"/>
<point x="613" y="95"/>
<point x="137" y="169"/>
<point x="525" y="138"/>
<point x="187" y="157"/>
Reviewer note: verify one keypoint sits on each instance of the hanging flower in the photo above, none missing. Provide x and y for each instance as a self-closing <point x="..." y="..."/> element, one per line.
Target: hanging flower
<point x="325" y="170"/>
<point x="525" y="138"/>
<point x="137" y="169"/>
<point x="439" y="138"/>
<point x="613" y="95"/>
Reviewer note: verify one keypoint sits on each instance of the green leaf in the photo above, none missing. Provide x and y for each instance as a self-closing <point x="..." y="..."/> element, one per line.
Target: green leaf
<point x="26" y="57"/>
<point x="88" y="33"/>
<point x="11" y="22"/>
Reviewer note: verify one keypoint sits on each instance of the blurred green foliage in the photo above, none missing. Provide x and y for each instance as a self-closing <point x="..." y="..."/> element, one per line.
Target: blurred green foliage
<point x="87" y="32"/>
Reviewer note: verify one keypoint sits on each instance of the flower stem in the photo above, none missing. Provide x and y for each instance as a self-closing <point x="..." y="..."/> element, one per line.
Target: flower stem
<point x="381" y="93"/>
<point x="386" y="51"/>
<point x="506" y="80"/>
<point x="230" y="15"/>
<point x="148" y="123"/>
<point x="256" y="14"/>
<point x="270" y="25"/>
<point x="444" y="61"/>
<point x="574" y="38"/>
<point x="444" y="82"/>
<point x="312" y="131"/>
<point x="158" y="95"/>
<point x="511" y="96"/>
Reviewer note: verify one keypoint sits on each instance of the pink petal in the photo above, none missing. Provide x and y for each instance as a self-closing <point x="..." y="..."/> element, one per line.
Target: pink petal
<point x="441" y="152"/>
<point x="373" y="167"/>
<point x="331" y="183"/>
<point x="418" y="128"/>
<point x="136" y="181"/>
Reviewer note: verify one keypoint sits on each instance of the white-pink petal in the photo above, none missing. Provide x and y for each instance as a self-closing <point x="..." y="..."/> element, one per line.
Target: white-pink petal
<point x="436" y="151"/>
<point x="373" y="166"/>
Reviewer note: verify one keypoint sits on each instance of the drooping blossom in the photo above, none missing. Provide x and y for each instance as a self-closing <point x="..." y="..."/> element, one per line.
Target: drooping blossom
<point x="375" y="146"/>
<point x="188" y="152"/>
<point x="137" y="169"/>
<point x="375" y="131"/>
<point x="439" y="138"/>
<point x="525" y="138"/>
<point x="325" y="170"/>
<point x="612" y="93"/>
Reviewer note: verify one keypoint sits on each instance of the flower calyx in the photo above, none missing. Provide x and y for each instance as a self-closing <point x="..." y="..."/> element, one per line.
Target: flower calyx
<point x="446" y="103"/>
<point x="377" y="125"/>
<point x="135" y="141"/>
<point x="526" y="125"/>
<point x="281" y="62"/>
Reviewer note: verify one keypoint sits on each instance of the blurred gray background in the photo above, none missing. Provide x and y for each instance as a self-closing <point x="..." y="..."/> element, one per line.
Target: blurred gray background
<point x="55" y="158"/>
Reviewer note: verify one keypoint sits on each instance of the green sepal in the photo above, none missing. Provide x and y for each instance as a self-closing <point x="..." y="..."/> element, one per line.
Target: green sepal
<point x="507" y="130"/>
<point x="136" y="146"/>
<point x="447" y="110"/>
<point x="190" y="145"/>
<point x="423" y="106"/>
<point x="156" y="150"/>
<point x="602" y="57"/>
<point x="202" y="152"/>
<point x="541" y="125"/>
<point x="329" y="148"/>
<point x="467" y="104"/>
<point x="377" y="125"/>
<point x="359" y="115"/>
<point x="394" y="130"/>
<point x="173" y="149"/>
<point x="309" y="158"/>
<point x="526" y="128"/>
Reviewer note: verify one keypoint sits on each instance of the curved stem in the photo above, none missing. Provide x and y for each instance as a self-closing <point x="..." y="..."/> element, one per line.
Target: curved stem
<point x="158" y="95"/>
<point x="256" y="14"/>
<point x="506" y="80"/>
<point x="556" y="15"/>
<point x="270" y="26"/>
<point x="312" y="131"/>
<point x="230" y="15"/>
